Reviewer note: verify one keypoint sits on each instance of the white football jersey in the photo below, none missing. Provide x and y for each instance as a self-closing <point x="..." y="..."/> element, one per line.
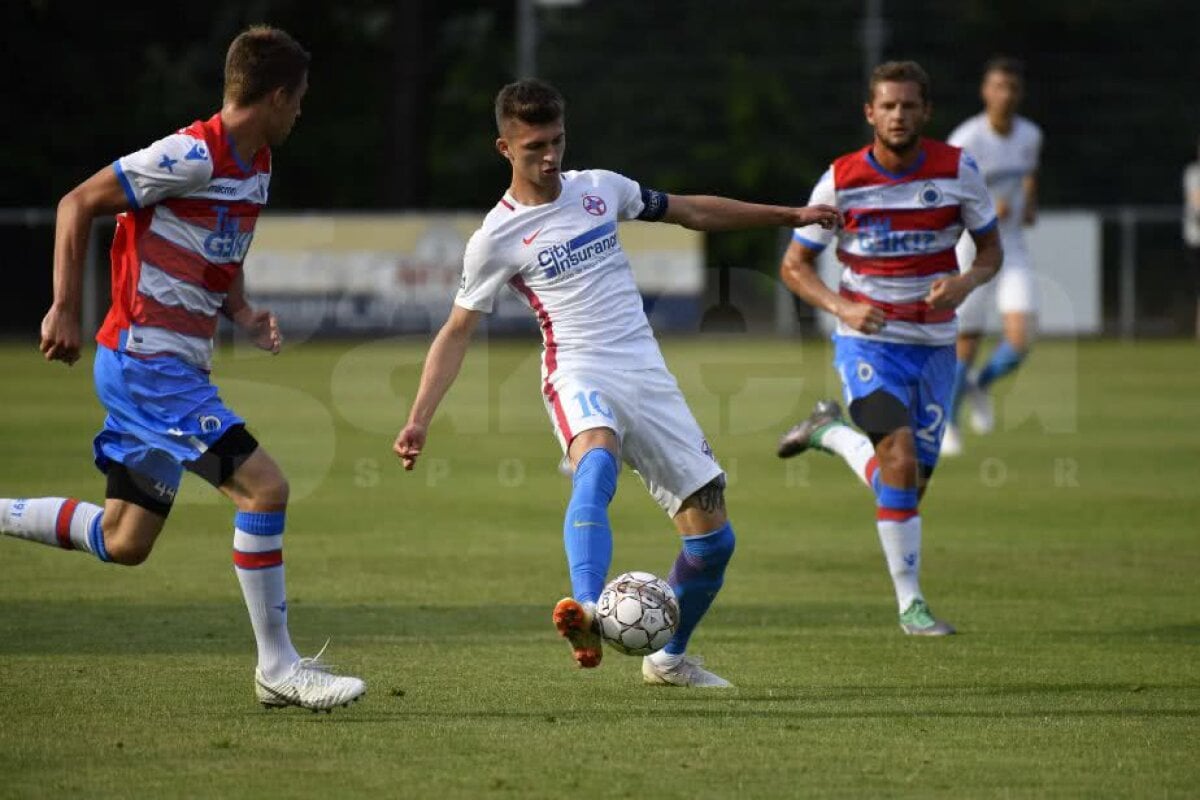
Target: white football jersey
<point x="565" y="260"/>
<point x="1005" y="161"/>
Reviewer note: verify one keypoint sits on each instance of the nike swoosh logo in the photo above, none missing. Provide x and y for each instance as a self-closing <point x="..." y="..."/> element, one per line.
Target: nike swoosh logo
<point x="531" y="238"/>
<point x="588" y="525"/>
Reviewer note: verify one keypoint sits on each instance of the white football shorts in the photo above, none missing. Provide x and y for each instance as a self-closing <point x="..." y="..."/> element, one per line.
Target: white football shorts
<point x="1012" y="291"/>
<point x="659" y="437"/>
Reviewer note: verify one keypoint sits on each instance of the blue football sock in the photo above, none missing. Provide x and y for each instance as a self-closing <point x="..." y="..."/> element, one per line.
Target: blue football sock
<point x="956" y="396"/>
<point x="696" y="578"/>
<point x="95" y="536"/>
<point x="1005" y="358"/>
<point x="891" y="499"/>
<point x="587" y="536"/>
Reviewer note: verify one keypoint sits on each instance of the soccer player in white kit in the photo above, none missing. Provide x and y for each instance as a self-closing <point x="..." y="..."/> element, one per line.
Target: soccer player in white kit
<point x="552" y="238"/>
<point x="1007" y="147"/>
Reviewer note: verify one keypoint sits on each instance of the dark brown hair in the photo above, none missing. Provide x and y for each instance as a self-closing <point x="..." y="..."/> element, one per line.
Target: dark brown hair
<point x="1009" y="66"/>
<point x="260" y="60"/>
<point x="532" y="101"/>
<point x="899" y="72"/>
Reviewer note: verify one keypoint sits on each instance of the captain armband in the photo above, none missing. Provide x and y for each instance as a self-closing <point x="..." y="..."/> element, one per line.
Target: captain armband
<point x="654" y="205"/>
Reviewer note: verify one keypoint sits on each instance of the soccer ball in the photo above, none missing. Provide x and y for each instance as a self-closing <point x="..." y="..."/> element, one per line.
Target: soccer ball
<point x="638" y="613"/>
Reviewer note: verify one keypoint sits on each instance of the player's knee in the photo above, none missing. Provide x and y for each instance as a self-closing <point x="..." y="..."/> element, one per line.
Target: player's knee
<point x="125" y="547"/>
<point x="269" y="494"/>
<point x="899" y="467"/>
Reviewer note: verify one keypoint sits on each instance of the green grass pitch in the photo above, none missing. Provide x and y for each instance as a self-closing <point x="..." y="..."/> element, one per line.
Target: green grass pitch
<point x="1065" y="547"/>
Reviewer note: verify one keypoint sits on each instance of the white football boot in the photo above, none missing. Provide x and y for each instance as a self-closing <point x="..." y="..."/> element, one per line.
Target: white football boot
<point x="309" y="685"/>
<point x="688" y="672"/>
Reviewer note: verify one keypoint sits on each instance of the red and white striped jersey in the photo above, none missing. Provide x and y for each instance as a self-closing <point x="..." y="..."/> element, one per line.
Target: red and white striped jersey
<point x="180" y="247"/>
<point x="899" y="234"/>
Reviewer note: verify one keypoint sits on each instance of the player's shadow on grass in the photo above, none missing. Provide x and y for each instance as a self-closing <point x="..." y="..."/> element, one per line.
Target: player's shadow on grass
<point x="114" y="627"/>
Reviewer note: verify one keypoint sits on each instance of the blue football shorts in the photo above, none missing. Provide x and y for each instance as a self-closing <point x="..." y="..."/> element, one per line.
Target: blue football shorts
<point x="162" y="412"/>
<point x="919" y="376"/>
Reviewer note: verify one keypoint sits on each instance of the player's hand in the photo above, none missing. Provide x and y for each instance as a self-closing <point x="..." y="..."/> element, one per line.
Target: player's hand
<point x="827" y="217"/>
<point x="1002" y="209"/>
<point x="60" y="336"/>
<point x="262" y="327"/>
<point x="949" y="292"/>
<point x="862" y="317"/>
<point x="409" y="444"/>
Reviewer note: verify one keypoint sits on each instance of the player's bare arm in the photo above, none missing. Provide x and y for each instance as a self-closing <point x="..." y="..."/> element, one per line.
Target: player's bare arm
<point x="1029" y="185"/>
<point x="99" y="195"/>
<point x="441" y="368"/>
<point x="799" y="273"/>
<point x="950" y="292"/>
<point x="260" y="324"/>
<point x="710" y="213"/>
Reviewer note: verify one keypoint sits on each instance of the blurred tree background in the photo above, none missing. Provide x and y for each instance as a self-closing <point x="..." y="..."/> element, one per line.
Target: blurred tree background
<point x="751" y="99"/>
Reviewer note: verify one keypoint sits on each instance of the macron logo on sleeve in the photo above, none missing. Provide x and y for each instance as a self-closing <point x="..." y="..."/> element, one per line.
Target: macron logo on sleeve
<point x="198" y="153"/>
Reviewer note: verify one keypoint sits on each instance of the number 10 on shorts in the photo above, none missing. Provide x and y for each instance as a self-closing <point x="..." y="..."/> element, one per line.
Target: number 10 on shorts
<point x="591" y="404"/>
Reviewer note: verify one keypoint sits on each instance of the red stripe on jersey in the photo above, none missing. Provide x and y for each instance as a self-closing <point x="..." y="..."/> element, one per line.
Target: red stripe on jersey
<point x="126" y="271"/>
<point x="902" y="266"/>
<point x="62" y="523"/>
<point x="895" y="514"/>
<point x="855" y="170"/>
<point x="902" y="219"/>
<point x="186" y="265"/>
<point x="551" y="357"/>
<point x="507" y="204"/>
<point x="151" y="313"/>
<point x="203" y="212"/>
<point x="919" y="312"/>
<point x="271" y="558"/>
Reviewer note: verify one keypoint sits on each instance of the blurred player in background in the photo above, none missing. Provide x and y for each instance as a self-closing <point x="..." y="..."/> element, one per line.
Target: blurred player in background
<point x="187" y="207"/>
<point x="552" y="239"/>
<point x="1191" y="227"/>
<point x="905" y="201"/>
<point x="1007" y="147"/>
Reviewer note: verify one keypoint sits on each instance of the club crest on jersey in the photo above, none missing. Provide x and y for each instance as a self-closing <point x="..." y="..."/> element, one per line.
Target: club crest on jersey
<point x="930" y="195"/>
<point x="594" y="205"/>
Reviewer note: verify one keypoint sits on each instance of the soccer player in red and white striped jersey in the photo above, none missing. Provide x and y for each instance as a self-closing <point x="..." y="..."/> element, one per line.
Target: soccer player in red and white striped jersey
<point x="186" y="208"/>
<point x="906" y="201"/>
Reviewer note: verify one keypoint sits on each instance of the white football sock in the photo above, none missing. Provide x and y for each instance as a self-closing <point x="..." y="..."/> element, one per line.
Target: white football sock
<point x="855" y="448"/>
<point x="55" y="521"/>
<point x="664" y="659"/>
<point x="902" y="548"/>
<point x="258" y="561"/>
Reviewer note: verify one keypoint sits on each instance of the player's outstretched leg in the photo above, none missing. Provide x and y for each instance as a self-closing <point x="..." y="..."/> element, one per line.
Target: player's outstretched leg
<point x="56" y="521"/>
<point x="587" y="538"/>
<point x="899" y="526"/>
<point x="696" y="577"/>
<point x="825" y="429"/>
